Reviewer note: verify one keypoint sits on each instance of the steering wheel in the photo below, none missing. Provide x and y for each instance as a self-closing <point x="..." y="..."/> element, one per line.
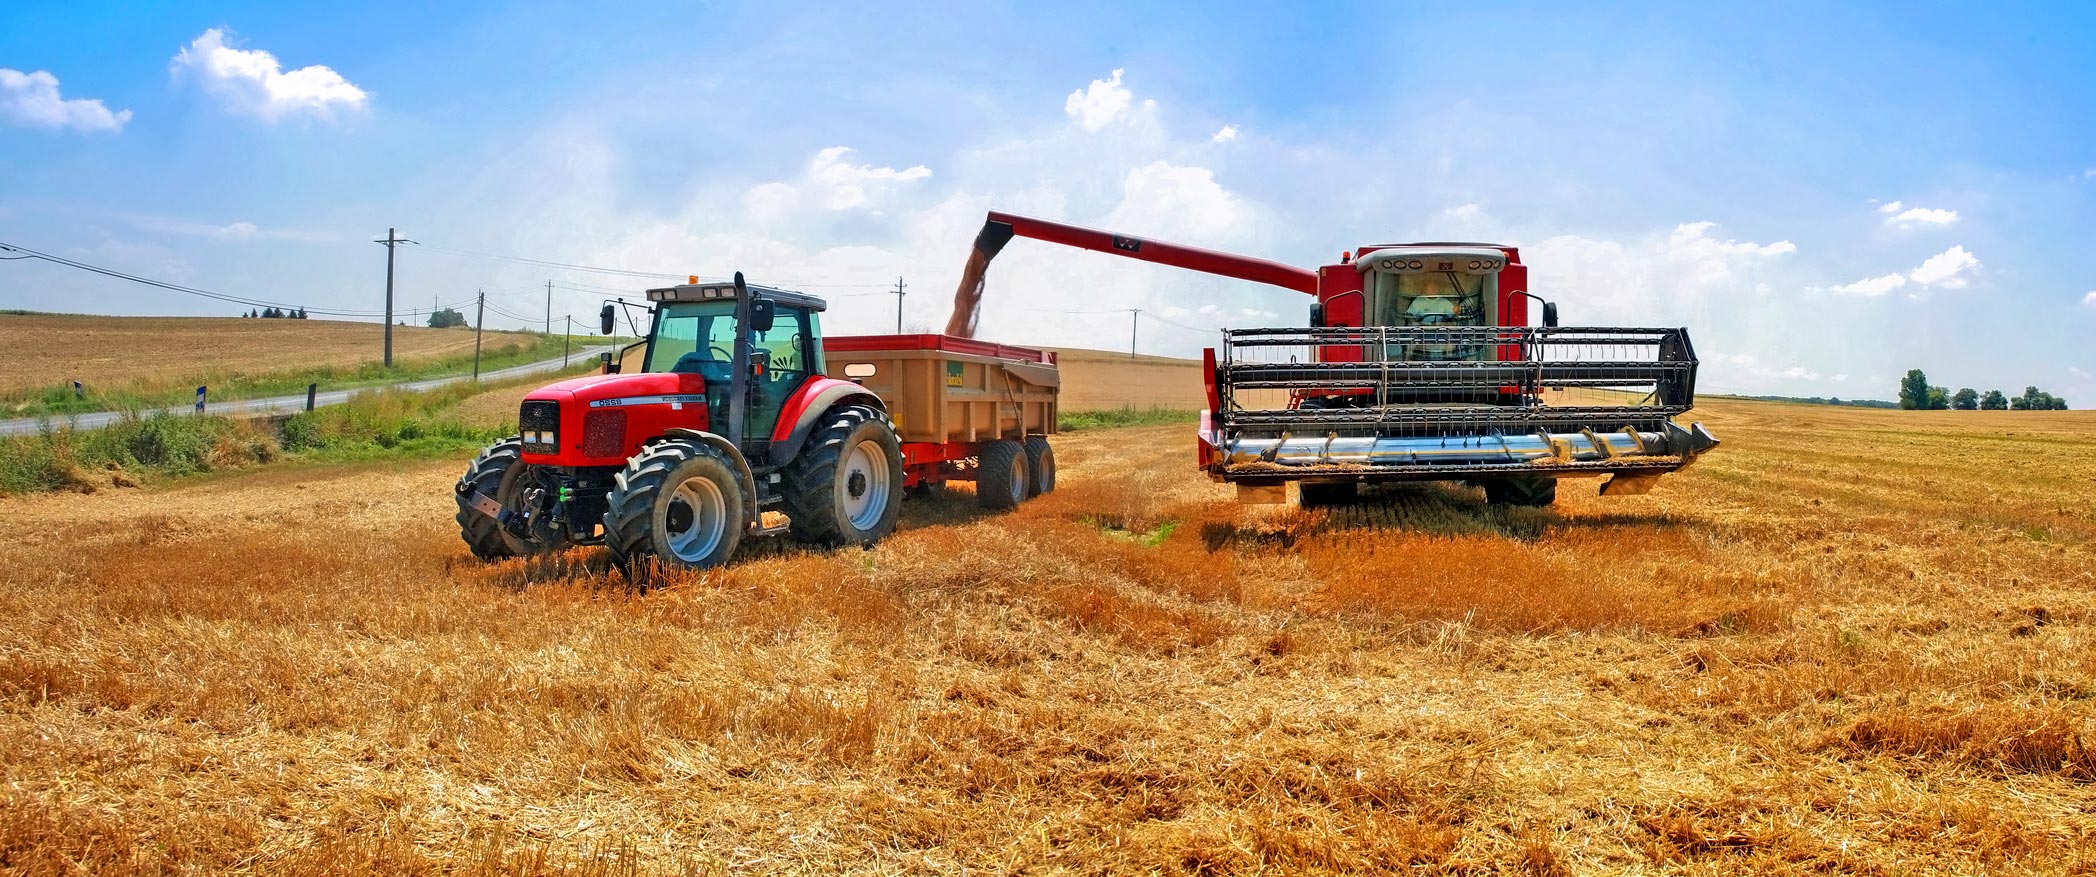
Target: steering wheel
<point x="725" y="356"/>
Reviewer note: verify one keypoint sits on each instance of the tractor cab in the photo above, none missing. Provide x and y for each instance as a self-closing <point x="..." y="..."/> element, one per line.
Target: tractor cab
<point x="1432" y="285"/>
<point x="699" y="330"/>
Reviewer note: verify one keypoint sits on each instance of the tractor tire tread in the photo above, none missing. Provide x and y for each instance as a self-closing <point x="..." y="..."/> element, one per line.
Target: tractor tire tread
<point x="810" y="483"/>
<point x="484" y="537"/>
<point x="629" y="521"/>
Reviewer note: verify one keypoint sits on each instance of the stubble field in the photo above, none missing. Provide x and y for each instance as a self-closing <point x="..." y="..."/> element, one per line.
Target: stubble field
<point x="1847" y="641"/>
<point x="142" y="354"/>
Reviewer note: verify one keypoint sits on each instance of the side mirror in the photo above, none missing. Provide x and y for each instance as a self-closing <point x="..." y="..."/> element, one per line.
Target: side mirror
<point x="1317" y="315"/>
<point x="607" y="319"/>
<point x="1550" y="314"/>
<point x="611" y="367"/>
<point x="762" y="314"/>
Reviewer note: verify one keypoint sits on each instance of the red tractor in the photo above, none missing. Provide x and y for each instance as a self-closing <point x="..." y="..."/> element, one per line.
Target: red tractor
<point x="1418" y="364"/>
<point x="732" y="417"/>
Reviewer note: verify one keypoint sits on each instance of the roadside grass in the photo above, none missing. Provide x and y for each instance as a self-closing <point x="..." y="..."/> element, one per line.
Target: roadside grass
<point x="501" y="350"/>
<point x="1116" y="418"/>
<point x="380" y="424"/>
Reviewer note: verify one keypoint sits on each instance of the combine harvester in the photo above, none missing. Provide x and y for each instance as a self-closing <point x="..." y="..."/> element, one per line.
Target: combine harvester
<point x="1418" y="364"/>
<point x="725" y="419"/>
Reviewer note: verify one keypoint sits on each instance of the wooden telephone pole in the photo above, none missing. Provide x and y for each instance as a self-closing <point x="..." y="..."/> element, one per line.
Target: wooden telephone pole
<point x="480" y="310"/>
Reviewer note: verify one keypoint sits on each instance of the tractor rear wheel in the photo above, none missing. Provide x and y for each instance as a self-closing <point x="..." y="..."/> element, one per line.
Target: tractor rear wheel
<point x="1040" y="460"/>
<point x="499" y="474"/>
<point x="679" y="502"/>
<point x="1001" y="479"/>
<point x="1313" y="494"/>
<point x="1535" y="492"/>
<point x="845" y="485"/>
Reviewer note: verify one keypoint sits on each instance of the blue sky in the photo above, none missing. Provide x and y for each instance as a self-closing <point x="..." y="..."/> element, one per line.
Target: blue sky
<point x="1733" y="170"/>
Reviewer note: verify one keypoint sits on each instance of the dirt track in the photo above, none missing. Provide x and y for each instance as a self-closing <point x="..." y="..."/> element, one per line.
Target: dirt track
<point x="1811" y="652"/>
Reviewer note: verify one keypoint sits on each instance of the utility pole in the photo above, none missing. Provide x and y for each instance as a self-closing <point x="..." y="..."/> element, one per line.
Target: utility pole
<point x="392" y="240"/>
<point x="564" y="339"/>
<point x="549" y="307"/>
<point x="480" y="310"/>
<point x="898" y="305"/>
<point x="1134" y="315"/>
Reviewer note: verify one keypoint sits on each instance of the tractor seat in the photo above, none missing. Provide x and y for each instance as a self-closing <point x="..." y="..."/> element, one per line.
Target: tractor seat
<point x="701" y="363"/>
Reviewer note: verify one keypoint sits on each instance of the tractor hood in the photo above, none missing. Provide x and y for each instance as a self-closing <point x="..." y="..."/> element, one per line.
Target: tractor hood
<point x="605" y="388"/>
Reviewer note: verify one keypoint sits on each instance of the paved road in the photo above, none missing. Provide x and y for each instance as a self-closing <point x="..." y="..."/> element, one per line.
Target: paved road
<point x="278" y="404"/>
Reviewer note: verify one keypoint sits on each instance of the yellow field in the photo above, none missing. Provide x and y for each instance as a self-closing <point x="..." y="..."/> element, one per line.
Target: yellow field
<point x="1847" y="641"/>
<point x="144" y="353"/>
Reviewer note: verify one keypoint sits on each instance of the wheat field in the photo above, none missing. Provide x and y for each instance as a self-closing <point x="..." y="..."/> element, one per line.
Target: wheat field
<point x="145" y="353"/>
<point x="1847" y="641"/>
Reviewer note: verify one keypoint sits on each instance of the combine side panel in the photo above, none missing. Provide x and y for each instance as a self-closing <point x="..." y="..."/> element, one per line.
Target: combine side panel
<point x="1432" y="403"/>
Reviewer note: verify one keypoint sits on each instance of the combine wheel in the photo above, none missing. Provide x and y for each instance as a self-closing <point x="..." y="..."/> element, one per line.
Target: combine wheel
<point x="677" y="501"/>
<point x="1314" y="494"/>
<point x="845" y="485"/>
<point x="1521" y="491"/>
<point x="1040" y="460"/>
<point x="498" y="473"/>
<point x="1001" y="480"/>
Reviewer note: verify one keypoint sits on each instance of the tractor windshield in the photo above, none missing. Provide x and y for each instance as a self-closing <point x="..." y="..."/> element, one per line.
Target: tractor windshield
<point x="1441" y="298"/>
<point x="697" y="338"/>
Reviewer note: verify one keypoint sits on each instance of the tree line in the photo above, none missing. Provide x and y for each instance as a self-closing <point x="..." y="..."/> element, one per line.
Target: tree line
<point x="1916" y="394"/>
<point x="277" y="314"/>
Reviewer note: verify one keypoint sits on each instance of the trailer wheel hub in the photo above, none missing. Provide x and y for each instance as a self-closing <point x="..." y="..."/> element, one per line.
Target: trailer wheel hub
<point x="855" y="486"/>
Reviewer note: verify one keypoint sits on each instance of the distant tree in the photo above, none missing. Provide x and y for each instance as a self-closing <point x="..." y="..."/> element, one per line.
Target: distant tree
<point x="1914" y="390"/>
<point x="1939" y="399"/>
<point x="1965" y="399"/>
<point x="1994" y="401"/>
<point x="446" y="318"/>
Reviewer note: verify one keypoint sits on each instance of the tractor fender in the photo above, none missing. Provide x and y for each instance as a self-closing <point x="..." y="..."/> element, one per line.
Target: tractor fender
<point x="801" y="414"/>
<point x="742" y="465"/>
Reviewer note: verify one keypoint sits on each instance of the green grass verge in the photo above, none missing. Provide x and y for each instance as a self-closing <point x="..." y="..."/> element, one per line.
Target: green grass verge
<point x="231" y="386"/>
<point x="1073" y="421"/>
<point x="380" y="424"/>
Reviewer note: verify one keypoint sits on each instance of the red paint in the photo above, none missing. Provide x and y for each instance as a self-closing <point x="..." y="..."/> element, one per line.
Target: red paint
<point x="645" y="421"/>
<point x="1162" y="252"/>
<point x="790" y="413"/>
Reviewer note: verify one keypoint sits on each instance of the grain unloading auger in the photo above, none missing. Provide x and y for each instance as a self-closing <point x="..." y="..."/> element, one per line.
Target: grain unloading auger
<point x="1418" y="364"/>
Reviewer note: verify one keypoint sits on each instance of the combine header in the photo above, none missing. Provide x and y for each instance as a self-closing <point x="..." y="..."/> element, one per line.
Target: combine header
<point x="1418" y="364"/>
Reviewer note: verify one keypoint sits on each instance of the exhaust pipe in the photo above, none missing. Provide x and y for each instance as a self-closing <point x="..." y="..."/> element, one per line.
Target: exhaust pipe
<point x="967" y="298"/>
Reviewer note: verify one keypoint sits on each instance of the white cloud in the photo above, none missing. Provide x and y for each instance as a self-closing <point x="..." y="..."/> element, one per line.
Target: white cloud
<point x="32" y="99"/>
<point x="1890" y="207"/>
<point x="1921" y="216"/>
<point x="1873" y="286"/>
<point x="1945" y="269"/>
<point x="1656" y="280"/>
<point x="1177" y="201"/>
<point x="2089" y="301"/>
<point x="237" y="232"/>
<point x="2089" y="174"/>
<point x="830" y="183"/>
<point x="253" y="82"/>
<point x="1224" y="134"/>
<point x="1097" y="105"/>
<point x="1464" y="212"/>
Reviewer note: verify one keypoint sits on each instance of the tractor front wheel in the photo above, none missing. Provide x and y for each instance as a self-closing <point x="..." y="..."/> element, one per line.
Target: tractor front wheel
<point x="1533" y="492"/>
<point x="845" y="485"/>
<point x="679" y="502"/>
<point x="499" y="473"/>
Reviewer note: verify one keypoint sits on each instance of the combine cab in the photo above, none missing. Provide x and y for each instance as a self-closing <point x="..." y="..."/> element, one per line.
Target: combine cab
<point x="1418" y="364"/>
<point x="726" y="424"/>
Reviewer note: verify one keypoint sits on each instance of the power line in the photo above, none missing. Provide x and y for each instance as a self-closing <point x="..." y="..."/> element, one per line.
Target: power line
<point x="547" y="263"/>
<point x="176" y="287"/>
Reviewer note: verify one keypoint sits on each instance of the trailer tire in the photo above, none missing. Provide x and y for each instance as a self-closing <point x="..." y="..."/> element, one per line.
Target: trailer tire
<point x="846" y="484"/>
<point x="1531" y="492"/>
<point x="1001" y="479"/>
<point x="678" y="503"/>
<point x="1315" y="494"/>
<point x="495" y="474"/>
<point x="1040" y="466"/>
